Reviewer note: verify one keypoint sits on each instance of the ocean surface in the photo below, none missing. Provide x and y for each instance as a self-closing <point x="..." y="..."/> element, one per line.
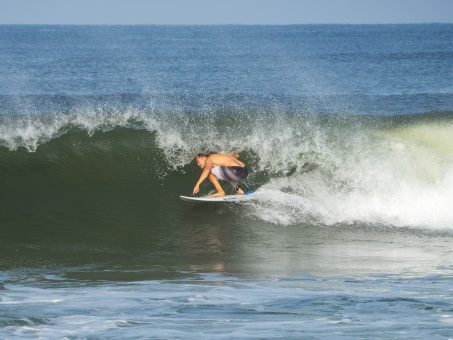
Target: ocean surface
<point x="347" y="131"/>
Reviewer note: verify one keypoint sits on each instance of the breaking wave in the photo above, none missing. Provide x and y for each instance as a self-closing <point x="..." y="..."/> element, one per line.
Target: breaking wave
<point x="316" y="169"/>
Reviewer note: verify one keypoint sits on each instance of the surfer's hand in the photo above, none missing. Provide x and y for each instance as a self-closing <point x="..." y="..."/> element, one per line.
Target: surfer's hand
<point x="196" y="189"/>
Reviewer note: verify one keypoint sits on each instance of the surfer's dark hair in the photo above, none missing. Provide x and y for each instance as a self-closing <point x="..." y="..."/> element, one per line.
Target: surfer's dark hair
<point x="202" y="155"/>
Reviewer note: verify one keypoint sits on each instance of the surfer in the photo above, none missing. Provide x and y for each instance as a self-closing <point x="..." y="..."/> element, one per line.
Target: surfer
<point x="220" y="166"/>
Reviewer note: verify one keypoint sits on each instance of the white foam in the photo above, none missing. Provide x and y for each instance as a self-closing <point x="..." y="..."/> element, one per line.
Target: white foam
<point x="368" y="179"/>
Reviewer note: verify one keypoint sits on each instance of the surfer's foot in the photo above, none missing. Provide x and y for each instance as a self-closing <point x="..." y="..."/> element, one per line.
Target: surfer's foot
<point x="218" y="194"/>
<point x="238" y="190"/>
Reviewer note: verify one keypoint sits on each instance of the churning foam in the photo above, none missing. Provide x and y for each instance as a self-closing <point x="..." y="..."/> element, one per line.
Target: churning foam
<point x="400" y="177"/>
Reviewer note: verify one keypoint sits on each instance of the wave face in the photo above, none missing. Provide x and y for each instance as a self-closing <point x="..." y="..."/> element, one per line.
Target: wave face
<point x="114" y="164"/>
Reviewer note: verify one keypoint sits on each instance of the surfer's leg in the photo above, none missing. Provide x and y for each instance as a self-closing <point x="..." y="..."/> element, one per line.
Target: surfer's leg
<point x="217" y="186"/>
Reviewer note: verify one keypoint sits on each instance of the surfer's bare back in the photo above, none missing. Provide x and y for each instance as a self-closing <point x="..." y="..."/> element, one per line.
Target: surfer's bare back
<point x="220" y="166"/>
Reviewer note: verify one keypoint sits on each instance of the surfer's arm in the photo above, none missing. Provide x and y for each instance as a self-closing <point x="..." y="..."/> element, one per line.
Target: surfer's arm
<point x="206" y="171"/>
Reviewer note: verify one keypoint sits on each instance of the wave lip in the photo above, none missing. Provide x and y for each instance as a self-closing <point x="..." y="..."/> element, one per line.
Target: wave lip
<point x="30" y="131"/>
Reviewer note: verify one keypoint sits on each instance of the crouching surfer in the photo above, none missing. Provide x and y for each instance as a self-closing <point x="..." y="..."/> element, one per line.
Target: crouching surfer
<point x="220" y="166"/>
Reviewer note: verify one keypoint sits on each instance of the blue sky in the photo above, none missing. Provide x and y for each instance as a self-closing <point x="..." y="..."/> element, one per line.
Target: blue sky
<point x="224" y="12"/>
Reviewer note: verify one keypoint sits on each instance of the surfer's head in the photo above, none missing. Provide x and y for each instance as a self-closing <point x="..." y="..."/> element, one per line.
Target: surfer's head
<point x="201" y="159"/>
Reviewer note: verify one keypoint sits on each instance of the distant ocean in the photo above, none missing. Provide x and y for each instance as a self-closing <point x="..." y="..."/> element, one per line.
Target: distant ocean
<point x="347" y="131"/>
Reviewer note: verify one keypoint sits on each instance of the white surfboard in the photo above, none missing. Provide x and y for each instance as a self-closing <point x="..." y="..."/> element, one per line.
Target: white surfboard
<point x="227" y="198"/>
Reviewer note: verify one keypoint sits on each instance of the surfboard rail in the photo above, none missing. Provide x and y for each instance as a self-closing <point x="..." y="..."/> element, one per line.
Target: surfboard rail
<point x="226" y="198"/>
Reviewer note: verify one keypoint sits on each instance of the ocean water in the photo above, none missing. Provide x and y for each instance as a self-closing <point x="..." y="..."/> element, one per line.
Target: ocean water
<point x="347" y="131"/>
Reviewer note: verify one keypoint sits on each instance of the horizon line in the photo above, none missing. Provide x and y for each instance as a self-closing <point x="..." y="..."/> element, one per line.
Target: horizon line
<point x="227" y="24"/>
